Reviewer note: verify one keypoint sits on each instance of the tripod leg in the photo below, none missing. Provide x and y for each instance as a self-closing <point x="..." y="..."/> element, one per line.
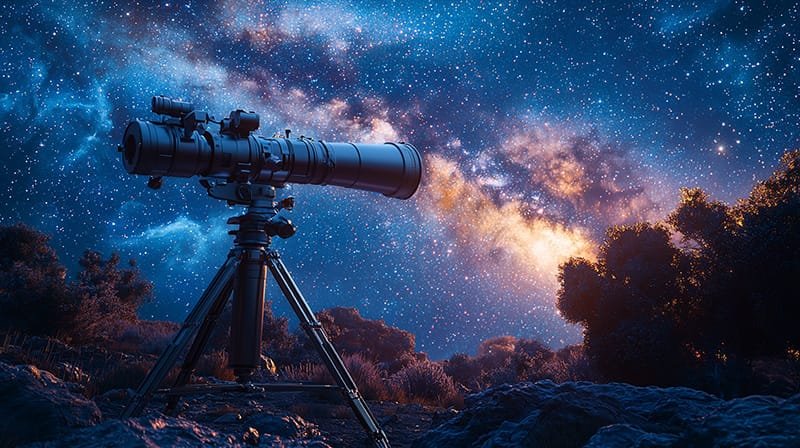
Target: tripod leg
<point x="329" y="355"/>
<point x="199" y="343"/>
<point x="220" y="284"/>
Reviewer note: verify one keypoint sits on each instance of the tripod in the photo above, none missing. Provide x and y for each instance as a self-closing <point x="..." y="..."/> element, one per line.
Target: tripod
<point x="244" y="276"/>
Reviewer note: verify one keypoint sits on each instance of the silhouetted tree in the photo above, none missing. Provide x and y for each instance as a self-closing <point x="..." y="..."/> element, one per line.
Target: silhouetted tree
<point x="105" y="296"/>
<point x="712" y="286"/>
<point x="36" y="298"/>
<point x="33" y="289"/>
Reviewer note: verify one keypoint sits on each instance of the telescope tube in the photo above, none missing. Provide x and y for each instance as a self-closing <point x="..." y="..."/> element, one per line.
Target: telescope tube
<point x="165" y="149"/>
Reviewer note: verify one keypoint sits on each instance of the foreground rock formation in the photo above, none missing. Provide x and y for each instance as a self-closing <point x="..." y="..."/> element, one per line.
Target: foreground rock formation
<point x="38" y="408"/>
<point x="616" y="415"/>
<point x="35" y="405"/>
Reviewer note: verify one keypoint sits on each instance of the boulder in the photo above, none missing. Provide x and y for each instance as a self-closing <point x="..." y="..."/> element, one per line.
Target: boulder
<point x="286" y="426"/>
<point x="150" y="431"/>
<point x="615" y="415"/>
<point x="35" y="405"/>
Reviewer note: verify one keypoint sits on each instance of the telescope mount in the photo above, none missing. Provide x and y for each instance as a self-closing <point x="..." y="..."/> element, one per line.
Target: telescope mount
<point x="243" y="277"/>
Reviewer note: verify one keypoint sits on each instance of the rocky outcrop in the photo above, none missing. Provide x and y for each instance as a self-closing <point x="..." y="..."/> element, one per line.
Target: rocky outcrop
<point x="35" y="405"/>
<point x="161" y="431"/>
<point x="616" y="415"/>
<point x="144" y="432"/>
<point x="38" y="408"/>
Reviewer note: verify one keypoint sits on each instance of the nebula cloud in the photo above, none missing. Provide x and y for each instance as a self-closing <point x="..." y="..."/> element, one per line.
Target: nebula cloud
<point x="595" y="177"/>
<point x="521" y="250"/>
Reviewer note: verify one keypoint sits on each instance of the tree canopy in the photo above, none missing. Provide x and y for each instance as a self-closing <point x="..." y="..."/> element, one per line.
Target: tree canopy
<point x="713" y="284"/>
<point x="37" y="298"/>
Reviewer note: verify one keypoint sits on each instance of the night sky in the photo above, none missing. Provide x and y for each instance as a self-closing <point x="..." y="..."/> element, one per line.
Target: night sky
<point x="541" y="124"/>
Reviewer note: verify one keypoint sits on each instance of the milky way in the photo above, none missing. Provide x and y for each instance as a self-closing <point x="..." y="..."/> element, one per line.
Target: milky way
<point x="541" y="124"/>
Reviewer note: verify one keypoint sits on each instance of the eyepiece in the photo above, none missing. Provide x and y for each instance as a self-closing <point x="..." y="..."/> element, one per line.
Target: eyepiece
<point x="165" y="106"/>
<point x="243" y="121"/>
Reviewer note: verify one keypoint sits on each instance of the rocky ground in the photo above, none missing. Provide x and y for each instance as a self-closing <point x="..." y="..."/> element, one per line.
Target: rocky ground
<point x="616" y="415"/>
<point x="41" y="410"/>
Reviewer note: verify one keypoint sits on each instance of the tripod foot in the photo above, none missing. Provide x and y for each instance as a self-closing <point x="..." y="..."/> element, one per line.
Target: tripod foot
<point x="380" y="439"/>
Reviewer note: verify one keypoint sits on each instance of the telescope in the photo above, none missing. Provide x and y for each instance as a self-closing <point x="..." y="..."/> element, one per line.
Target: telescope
<point x="245" y="169"/>
<point x="186" y="142"/>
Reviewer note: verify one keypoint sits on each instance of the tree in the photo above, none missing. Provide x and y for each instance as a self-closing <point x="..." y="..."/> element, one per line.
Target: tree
<point x="104" y="297"/>
<point x="622" y="299"/>
<point x="33" y="289"/>
<point x="712" y="285"/>
<point x="767" y="261"/>
<point x="36" y="298"/>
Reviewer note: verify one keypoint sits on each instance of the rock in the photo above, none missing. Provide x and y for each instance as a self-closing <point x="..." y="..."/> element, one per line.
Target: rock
<point x="35" y="405"/>
<point x="278" y="442"/>
<point x="615" y="415"/>
<point x="144" y="432"/>
<point x="291" y="426"/>
<point x="251" y="436"/>
<point x="116" y="395"/>
<point x="268" y="365"/>
<point x="228" y="418"/>
<point x="627" y="436"/>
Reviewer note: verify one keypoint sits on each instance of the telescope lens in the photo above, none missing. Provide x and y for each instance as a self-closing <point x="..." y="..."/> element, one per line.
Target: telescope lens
<point x="130" y="149"/>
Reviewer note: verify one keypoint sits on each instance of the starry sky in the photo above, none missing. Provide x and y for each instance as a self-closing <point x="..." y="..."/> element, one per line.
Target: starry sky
<point x="540" y="123"/>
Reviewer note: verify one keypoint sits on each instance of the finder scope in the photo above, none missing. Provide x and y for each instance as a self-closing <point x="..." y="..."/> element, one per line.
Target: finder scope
<point x="186" y="142"/>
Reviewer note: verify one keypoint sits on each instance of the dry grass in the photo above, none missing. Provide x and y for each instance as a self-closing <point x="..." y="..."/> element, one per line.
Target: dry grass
<point x="215" y="364"/>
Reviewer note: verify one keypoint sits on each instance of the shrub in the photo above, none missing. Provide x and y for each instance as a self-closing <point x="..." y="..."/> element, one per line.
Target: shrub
<point x="103" y="297"/>
<point x="119" y="376"/>
<point x="465" y="370"/>
<point x="367" y="377"/>
<point x="36" y="298"/>
<point x="143" y="336"/>
<point x="424" y="382"/>
<point x="507" y="359"/>
<point x="372" y="339"/>
<point x="215" y="363"/>
<point x="366" y="374"/>
<point x="278" y="343"/>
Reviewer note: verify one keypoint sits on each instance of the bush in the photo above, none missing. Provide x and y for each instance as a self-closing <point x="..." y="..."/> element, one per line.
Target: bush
<point x="424" y="382"/>
<point x="366" y="374"/>
<point x="119" y="376"/>
<point x="507" y="359"/>
<point x="143" y="336"/>
<point x="351" y="334"/>
<point x="215" y="363"/>
<point x="36" y="298"/>
<point x="465" y="370"/>
<point x="278" y="343"/>
<point x="103" y="297"/>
